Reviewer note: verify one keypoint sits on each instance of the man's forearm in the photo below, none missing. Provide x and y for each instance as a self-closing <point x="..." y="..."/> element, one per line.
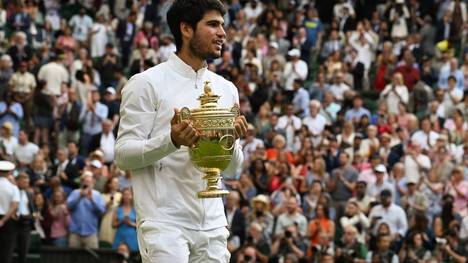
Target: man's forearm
<point x="131" y="154"/>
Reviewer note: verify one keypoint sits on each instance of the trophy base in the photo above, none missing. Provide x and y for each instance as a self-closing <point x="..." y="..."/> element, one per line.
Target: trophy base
<point x="212" y="193"/>
<point x="212" y="177"/>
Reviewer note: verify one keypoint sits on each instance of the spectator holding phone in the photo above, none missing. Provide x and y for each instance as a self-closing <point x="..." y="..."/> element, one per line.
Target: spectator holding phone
<point x="124" y="220"/>
<point x="86" y="206"/>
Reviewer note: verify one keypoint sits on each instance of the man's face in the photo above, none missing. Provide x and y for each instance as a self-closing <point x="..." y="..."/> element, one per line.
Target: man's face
<point x="313" y="110"/>
<point x="209" y="36"/>
<point x="384" y="243"/>
<point x="61" y="156"/>
<point x="426" y="125"/>
<point x="95" y="96"/>
<point x="292" y="205"/>
<point x="23" y="137"/>
<point x="289" y="110"/>
<point x="361" y="189"/>
<point x="87" y="181"/>
<point x="343" y="159"/>
<point x="106" y="127"/>
<point x="23" y="183"/>
<point x="349" y="236"/>
<point x="72" y="148"/>
<point x="357" y="103"/>
<point x="386" y="200"/>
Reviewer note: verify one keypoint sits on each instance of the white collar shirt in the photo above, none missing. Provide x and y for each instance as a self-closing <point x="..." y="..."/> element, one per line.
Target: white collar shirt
<point x="164" y="180"/>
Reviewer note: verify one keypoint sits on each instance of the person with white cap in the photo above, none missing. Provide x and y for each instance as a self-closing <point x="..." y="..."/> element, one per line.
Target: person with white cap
<point x="296" y="68"/>
<point x="110" y="100"/>
<point x="96" y="168"/>
<point x="9" y="200"/>
<point x="380" y="183"/>
<point x="273" y="54"/>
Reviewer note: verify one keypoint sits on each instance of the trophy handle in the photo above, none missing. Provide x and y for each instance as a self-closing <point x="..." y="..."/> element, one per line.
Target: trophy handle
<point x="235" y="109"/>
<point x="227" y="142"/>
<point x="184" y="114"/>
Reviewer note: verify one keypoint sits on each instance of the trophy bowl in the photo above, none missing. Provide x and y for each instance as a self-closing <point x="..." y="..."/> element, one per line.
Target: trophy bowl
<point x="213" y="151"/>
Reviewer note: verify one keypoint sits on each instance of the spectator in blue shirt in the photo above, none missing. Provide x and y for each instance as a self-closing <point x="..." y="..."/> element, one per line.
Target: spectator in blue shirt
<point x="454" y="71"/>
<point x="313" y="27"/>
<point x="301" y="99"/>
<point x="354" y="114"/>
<point x="86" y="206"/>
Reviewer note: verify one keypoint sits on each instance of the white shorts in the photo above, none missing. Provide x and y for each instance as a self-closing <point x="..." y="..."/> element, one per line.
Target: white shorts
<point x="160" y="243"/>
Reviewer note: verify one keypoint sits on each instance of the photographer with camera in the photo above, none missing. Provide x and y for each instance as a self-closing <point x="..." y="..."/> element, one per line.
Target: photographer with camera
<point x="86" y="206"/>
<point x="349" y="249"/>
<point x="288" y="243"/>
<point x="248" y="255"/>
<point x="291" y="216"/>
<point x="257" y="239"/>
<point x="449" y="248"/>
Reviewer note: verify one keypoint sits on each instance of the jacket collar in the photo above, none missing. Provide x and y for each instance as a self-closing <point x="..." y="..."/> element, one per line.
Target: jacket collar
<point x="183" y="68"/>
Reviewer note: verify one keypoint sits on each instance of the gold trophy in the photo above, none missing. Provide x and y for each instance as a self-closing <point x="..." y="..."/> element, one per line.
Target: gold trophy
<point x="213" y="151"/>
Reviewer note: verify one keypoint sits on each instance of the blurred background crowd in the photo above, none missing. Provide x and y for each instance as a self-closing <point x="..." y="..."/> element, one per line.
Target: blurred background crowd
<point x="357" y="147"/>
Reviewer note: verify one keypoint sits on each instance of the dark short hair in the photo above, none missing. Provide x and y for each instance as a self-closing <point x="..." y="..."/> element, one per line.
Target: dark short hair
<point x="190" y="12"/>
<point x="451" y="77"/>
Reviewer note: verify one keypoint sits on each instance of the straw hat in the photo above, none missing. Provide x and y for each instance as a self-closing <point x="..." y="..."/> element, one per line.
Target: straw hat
<point x="262" y="199"/>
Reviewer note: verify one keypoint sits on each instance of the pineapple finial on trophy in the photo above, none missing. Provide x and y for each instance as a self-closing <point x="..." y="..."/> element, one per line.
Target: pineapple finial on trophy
<point x="208" y="99"/>
<point x="207" y="89"/>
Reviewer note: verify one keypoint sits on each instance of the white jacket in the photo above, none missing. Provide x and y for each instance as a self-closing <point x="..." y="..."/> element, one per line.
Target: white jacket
<point x="165" y="182"/>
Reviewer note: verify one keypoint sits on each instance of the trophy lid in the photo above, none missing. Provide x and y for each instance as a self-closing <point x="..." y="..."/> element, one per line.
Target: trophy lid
<point x="208" y="99"/>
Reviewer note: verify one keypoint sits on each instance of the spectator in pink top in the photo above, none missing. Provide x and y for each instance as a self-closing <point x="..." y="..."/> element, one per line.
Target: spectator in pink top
<point x="458" y="188"/>
<point x="60" y="219"/>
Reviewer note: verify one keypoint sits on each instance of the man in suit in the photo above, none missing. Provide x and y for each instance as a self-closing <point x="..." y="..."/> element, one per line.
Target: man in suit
<point x="125" y="32"/>
<point x="24" y="217"/>
<point x="105" y="141"/>
<point x="65" y="170"/>
<point x="74" y="157"/>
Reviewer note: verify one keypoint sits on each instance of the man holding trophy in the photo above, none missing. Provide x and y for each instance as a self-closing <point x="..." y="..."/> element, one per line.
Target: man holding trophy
<point x="178" y="130"/>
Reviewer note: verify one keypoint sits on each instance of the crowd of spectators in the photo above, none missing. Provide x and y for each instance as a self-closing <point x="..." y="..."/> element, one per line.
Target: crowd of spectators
<point x="357" y="147"/>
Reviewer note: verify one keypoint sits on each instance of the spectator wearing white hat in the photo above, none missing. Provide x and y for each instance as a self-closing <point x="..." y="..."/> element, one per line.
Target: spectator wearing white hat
<point x="96" y="169"/>
<point x="273" y="54"/>
<point x="294" y="69"/>
<point x="9" y="200"/>
<point x="380" y="183"/>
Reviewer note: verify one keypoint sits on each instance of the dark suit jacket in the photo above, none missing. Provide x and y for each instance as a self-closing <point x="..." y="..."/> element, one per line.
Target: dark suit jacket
<point x="238" y="225"/>
<point x="396" y="152"/>
<point x="72" y="171"/>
